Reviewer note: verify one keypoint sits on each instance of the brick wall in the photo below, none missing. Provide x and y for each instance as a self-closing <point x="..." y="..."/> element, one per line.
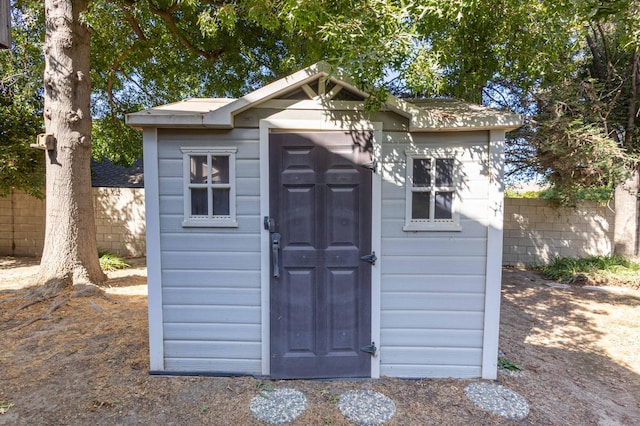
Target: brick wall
<point x="119" y="214"/>
<point x="535" y="232"/>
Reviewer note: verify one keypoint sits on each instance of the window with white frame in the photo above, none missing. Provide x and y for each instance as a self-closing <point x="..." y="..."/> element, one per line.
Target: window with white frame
<point x="431" y="203"/>
<point x="209" y="187"/>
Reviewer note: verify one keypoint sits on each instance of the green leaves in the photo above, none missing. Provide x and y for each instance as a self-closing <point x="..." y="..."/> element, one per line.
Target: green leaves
<point x="21" y="68"/>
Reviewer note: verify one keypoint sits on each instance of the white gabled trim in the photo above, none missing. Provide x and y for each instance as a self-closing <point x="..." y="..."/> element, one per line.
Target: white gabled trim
<point x="154" y="264"/>
<point x="266" y="125"/>
<point x="223" y="117"/>
<point x="494" y="256"/>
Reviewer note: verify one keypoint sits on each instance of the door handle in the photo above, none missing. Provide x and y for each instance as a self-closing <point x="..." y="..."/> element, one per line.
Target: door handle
<point x="275" y="248"/>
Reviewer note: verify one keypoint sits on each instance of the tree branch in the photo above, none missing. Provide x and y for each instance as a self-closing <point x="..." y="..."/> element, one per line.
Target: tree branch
<point x="133" y="22"/>
<point x="167" y="17"/>
<point x="607" y="53"/>
<point x="631" y="114"/>
<point x="598" y="65"/>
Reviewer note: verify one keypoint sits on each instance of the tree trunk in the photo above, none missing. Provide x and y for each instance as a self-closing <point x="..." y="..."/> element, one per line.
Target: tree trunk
<point x="70" y="248"/>
<point x="627" y="224"/>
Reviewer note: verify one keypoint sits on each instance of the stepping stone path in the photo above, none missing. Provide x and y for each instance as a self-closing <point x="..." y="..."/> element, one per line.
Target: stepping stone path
<point x="369" y="408"/>
<point x="284" y="405"/>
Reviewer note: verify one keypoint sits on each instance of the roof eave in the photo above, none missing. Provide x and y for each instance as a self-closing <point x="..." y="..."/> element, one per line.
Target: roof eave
<point x="174" y="121"/>
<point x="424" y="120"/>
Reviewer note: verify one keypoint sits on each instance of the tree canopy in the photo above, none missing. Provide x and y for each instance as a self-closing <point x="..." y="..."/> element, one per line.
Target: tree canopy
<point x="570" y="66"/>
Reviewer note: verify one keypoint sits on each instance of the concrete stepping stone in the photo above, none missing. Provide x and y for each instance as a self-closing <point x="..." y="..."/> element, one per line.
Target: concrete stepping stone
<point x="277" y="406"/>
<point x="366" y="407"/>
<point x="497" y="400"/>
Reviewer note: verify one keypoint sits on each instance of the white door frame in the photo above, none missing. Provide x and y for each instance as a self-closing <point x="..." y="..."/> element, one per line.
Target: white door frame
<point x="266" y="125"/>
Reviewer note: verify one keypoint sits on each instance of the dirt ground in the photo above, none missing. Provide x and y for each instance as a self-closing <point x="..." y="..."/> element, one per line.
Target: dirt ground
<point x="88" y="363"/>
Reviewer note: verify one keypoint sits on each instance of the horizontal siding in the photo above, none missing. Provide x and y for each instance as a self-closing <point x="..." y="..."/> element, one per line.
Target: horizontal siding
<point x="432" y="371"/>
<point x="433" y="301"/>
<point x="431" y="283"/>
<point x="430" y="338"/>
<point x="210" y="332"/>
<point x="437" y="320"/>
<point x="211" y="276"/>
<point x="205" y="242"/>
<point x="218" y="349"/>
<point x="211" y="296"/>
<point x="211" y="261"/>
<point x="169" y="138"/>
<point x="432" y="356"/>
<point x="211" y="314"/>
<point x="458" y="265"/>
<point x="187" y="277"/>
<point x="251" y="118"/>
<point x="434" y="245"/>
<point x="215" y="365"/>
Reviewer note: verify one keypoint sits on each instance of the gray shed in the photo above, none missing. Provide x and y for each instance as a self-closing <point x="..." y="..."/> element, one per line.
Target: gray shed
<point x="291" y="234"/>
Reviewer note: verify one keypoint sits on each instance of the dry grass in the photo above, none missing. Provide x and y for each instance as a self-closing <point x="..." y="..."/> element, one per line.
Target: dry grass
<point x="88" y="364"/>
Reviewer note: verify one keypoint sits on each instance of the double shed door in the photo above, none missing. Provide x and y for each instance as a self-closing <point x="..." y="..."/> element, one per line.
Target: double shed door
<point x="320" y="295"/>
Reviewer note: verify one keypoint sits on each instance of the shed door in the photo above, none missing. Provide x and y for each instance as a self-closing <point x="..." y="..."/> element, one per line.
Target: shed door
<point x="320" y="200"/>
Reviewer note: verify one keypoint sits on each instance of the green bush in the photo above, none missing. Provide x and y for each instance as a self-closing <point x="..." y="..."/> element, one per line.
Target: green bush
<point x="614" y="268"/>
<point x="601" y="194"/>
<point x="111" y="262"/>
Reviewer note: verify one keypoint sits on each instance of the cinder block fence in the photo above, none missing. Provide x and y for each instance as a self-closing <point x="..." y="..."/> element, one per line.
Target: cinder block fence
<point x="534" y="231"/>
<point x="119" y="215"/>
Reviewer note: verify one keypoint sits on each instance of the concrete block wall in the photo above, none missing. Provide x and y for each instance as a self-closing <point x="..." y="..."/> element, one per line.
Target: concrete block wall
<point x="120" y="222"/>
<point x="21" y="225"/>
<point x="536" y="232"/>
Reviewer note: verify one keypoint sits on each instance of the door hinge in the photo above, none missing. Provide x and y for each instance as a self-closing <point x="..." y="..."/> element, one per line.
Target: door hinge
<point x="370" y="349"/>
<point x="373" y="166"/>
<point x="371" y="258"/>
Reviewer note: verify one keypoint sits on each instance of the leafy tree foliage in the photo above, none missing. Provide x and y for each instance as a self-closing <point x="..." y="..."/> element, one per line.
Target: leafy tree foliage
<point x="21" y="110"/>
<point x="583" y="131"/>
<point x="568" y="65"/>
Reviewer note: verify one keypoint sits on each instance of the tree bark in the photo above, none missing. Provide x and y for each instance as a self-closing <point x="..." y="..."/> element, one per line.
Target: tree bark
<point x="70" y="249"/>
<point x="627" y="222"/>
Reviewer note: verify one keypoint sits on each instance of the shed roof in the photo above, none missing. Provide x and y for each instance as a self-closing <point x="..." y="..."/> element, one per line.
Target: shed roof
<point x="423" y="115"/>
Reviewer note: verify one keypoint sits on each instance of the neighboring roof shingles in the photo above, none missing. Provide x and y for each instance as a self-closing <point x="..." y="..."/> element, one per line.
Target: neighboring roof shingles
<point x="109" y="175"/>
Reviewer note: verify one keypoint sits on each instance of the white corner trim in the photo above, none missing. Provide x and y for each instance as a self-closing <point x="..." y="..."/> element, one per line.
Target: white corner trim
<point x="376" y="246"/>
<point x="494" y="256"/>
<point x="154" y="264"/>
<point x="265" y="279"/>
<point x="266" y="125"/>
